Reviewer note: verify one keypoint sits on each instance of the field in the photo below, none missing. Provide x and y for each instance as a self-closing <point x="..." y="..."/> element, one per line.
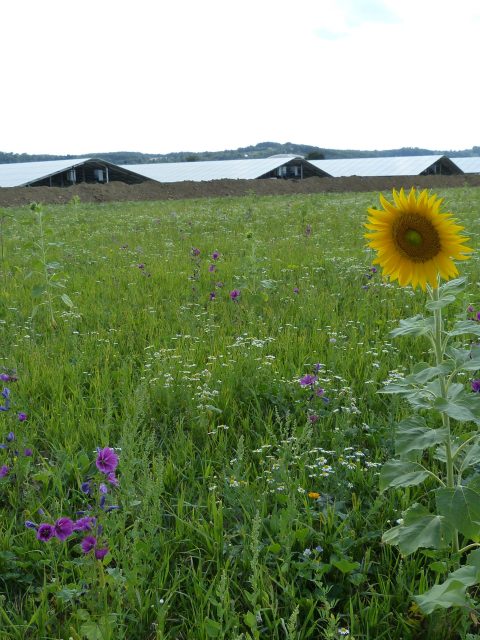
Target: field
<point x="181" y="334"/>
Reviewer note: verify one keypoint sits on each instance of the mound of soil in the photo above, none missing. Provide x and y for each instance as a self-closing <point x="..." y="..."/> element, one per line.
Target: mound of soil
<point x="150" y="190"/>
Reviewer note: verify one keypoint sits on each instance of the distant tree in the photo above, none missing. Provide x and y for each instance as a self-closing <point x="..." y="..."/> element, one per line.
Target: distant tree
<point x="314" y="155"/>
<point x="192" y="157"/>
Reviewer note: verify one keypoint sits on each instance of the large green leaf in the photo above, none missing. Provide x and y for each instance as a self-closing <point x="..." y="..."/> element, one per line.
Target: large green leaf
<point x="400" y="473"/>
<point x="467" y="359"/>
<point x="460" y="507"/>
<point x="465" y="327"/>
<point x="451" y="593"/>
<point x="439" y="304"/>
<point x="412" y="434"/>
<point x="423" y="372"/>
<point x="460" y="409"/>
<point x="416" y="326"/>
<point x="419" y="529"/>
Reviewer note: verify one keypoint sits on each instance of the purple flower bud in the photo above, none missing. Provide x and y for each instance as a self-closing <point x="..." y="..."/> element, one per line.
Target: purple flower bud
<point x="112" y="479"/>
<point x="6" y="393"/>
<point x="215" y="255"/>
<point x="195" y="251"/>
<point x="22" y="416"/>
<point x="27" y="452"/>
<point x="10" y="437"/>
<point x="103" y="488"/>
<point x="45" y="532"/>
<point x="85" y="487"/>
<point x="4" y="471"/>
<point x="30" y="525"/>
<point x="470" y="308"/>
<point x="103" y="499"/>
<point x="212" y="268"/>
<point x="476" y="385"/>
<point x="212" y="295"/>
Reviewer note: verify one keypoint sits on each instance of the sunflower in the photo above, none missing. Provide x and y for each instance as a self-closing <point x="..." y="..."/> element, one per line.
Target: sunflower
<point x="414" y="241"/>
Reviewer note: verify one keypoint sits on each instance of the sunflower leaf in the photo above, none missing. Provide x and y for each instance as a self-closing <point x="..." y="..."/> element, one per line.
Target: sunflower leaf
<point x="412" y="434"/>
<point x="465" y="327"/>
<point x="416" y="326"/>
<point x="401" y="473"/>
<point x="451" y="593"/>
<point x="460" y="507"/>
<point x="442" y="302"/>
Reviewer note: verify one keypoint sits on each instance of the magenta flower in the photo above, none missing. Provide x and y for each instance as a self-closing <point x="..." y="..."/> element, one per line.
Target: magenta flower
<point x="101" y="553"/>
<point x="4" y="470"/>
<point x="84" y="524"/>
<point x="88" y="543"/>
<point x="63" y="528"/>
<point x="107" y="460"/>
<point x="235" y="294"/>
<point x="112" y="479"/>
<point x="45" y="532"/>
<point x="308" y="380"/>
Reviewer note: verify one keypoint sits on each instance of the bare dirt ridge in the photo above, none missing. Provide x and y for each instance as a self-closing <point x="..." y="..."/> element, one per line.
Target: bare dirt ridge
<point x="121" y="192"/>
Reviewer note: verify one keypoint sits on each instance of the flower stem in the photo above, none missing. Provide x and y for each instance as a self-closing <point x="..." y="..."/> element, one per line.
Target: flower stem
<point x="439" y="347"/>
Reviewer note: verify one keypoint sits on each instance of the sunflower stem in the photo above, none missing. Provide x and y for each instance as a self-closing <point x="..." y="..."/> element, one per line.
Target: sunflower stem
<point x="439" y="349"/>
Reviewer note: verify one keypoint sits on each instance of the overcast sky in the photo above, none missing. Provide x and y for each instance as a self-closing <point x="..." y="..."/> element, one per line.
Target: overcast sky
<point x="189" y="75"/>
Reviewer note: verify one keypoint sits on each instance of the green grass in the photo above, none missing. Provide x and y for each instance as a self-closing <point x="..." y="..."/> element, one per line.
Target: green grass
<point x="216" y="536"/>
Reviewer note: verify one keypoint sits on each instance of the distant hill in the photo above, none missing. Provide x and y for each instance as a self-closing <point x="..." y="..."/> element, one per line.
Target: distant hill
<point x="260" y="150"/>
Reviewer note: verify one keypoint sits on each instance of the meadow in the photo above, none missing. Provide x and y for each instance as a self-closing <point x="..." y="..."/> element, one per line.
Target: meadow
<point x="230" y="351"/>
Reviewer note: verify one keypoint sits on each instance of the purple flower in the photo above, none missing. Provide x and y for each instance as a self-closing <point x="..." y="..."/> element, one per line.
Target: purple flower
<point x="30" y="525"/>
<point x="27" y="452"/>
<point x="63" y="528"/>
<point x="112" y="479"/>
<point x="88" y="543"/>
<point x="215" y="255"/>
<point x="478" y="315"/>
<point x="5" y="377"/>
<point x="476" y="385"/>
<point x="317" y="367"/>
<point x="45" y="532"/>
<point x="101" y="553"/>
<point x="103" y="488"/>
<point x="195" y="251"/>
<point x="107" y="460"/>
<point x="212" y="268"/>
<point x="212" y="295"/>
<point x="84" y="524"/>
<point x="22" y="416"/>
<point x="235" y="294"/>
<point x="4" y="470"/>
<point x="6" y="395"/>
<point x="319" y="392"/>
<point x="470" y="308"/>
<point x="141" y="266"/>
<point x="296" y="290"/>
<point x="85" y="487"/>
<point x="308" y="380"/>
<point x="10" y="437"/>
<point x="313" y="418"/>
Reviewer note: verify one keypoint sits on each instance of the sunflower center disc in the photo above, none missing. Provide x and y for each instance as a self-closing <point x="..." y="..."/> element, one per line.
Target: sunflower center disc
<point x="416" y="237"/>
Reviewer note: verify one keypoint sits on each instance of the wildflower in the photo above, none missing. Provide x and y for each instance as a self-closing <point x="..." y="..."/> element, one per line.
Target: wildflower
<point x="4" y="470"/>
<point x="45" y="532"/>
<point x="296" y="290"/>
<point x="112" y="479"/>
<point x="10" y="437"/>
<point x="215" y="255"/>
<point x="107" y="460"/>
<point x="30" y="525"/>
<point x="22" y="416"/>
<point x="141" y="266"/>
<point x="101" y="553"/>
<point x="470" y="308"/>
<point x="478" y="316"/>
<point x="313" y="495"/>
<point x="4" y="377"/>
<point x="27" y="452"/>
<point x="212" y="268"/>
<point x="63" y="528"/>
<point x="343" y="631"/>
<point x="84" y="524"/>
<point x="103" y="488"/>
<point x="414" y="241"/>
<point x="88" y="543"/>
<point x="85" y="487"/>
<point x="476" y="385"/>
<point x="308" y="380"/>
<point x="235" y="294"/>
<point x="6" y="394"/>
<point x="319" y="392"/>
<point x="313" y="418"/>
<point x="195" y="251"/>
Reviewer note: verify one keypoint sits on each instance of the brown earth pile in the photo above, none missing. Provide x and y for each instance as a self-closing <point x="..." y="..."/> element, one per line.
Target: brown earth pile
<point x="121" y="192"/>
